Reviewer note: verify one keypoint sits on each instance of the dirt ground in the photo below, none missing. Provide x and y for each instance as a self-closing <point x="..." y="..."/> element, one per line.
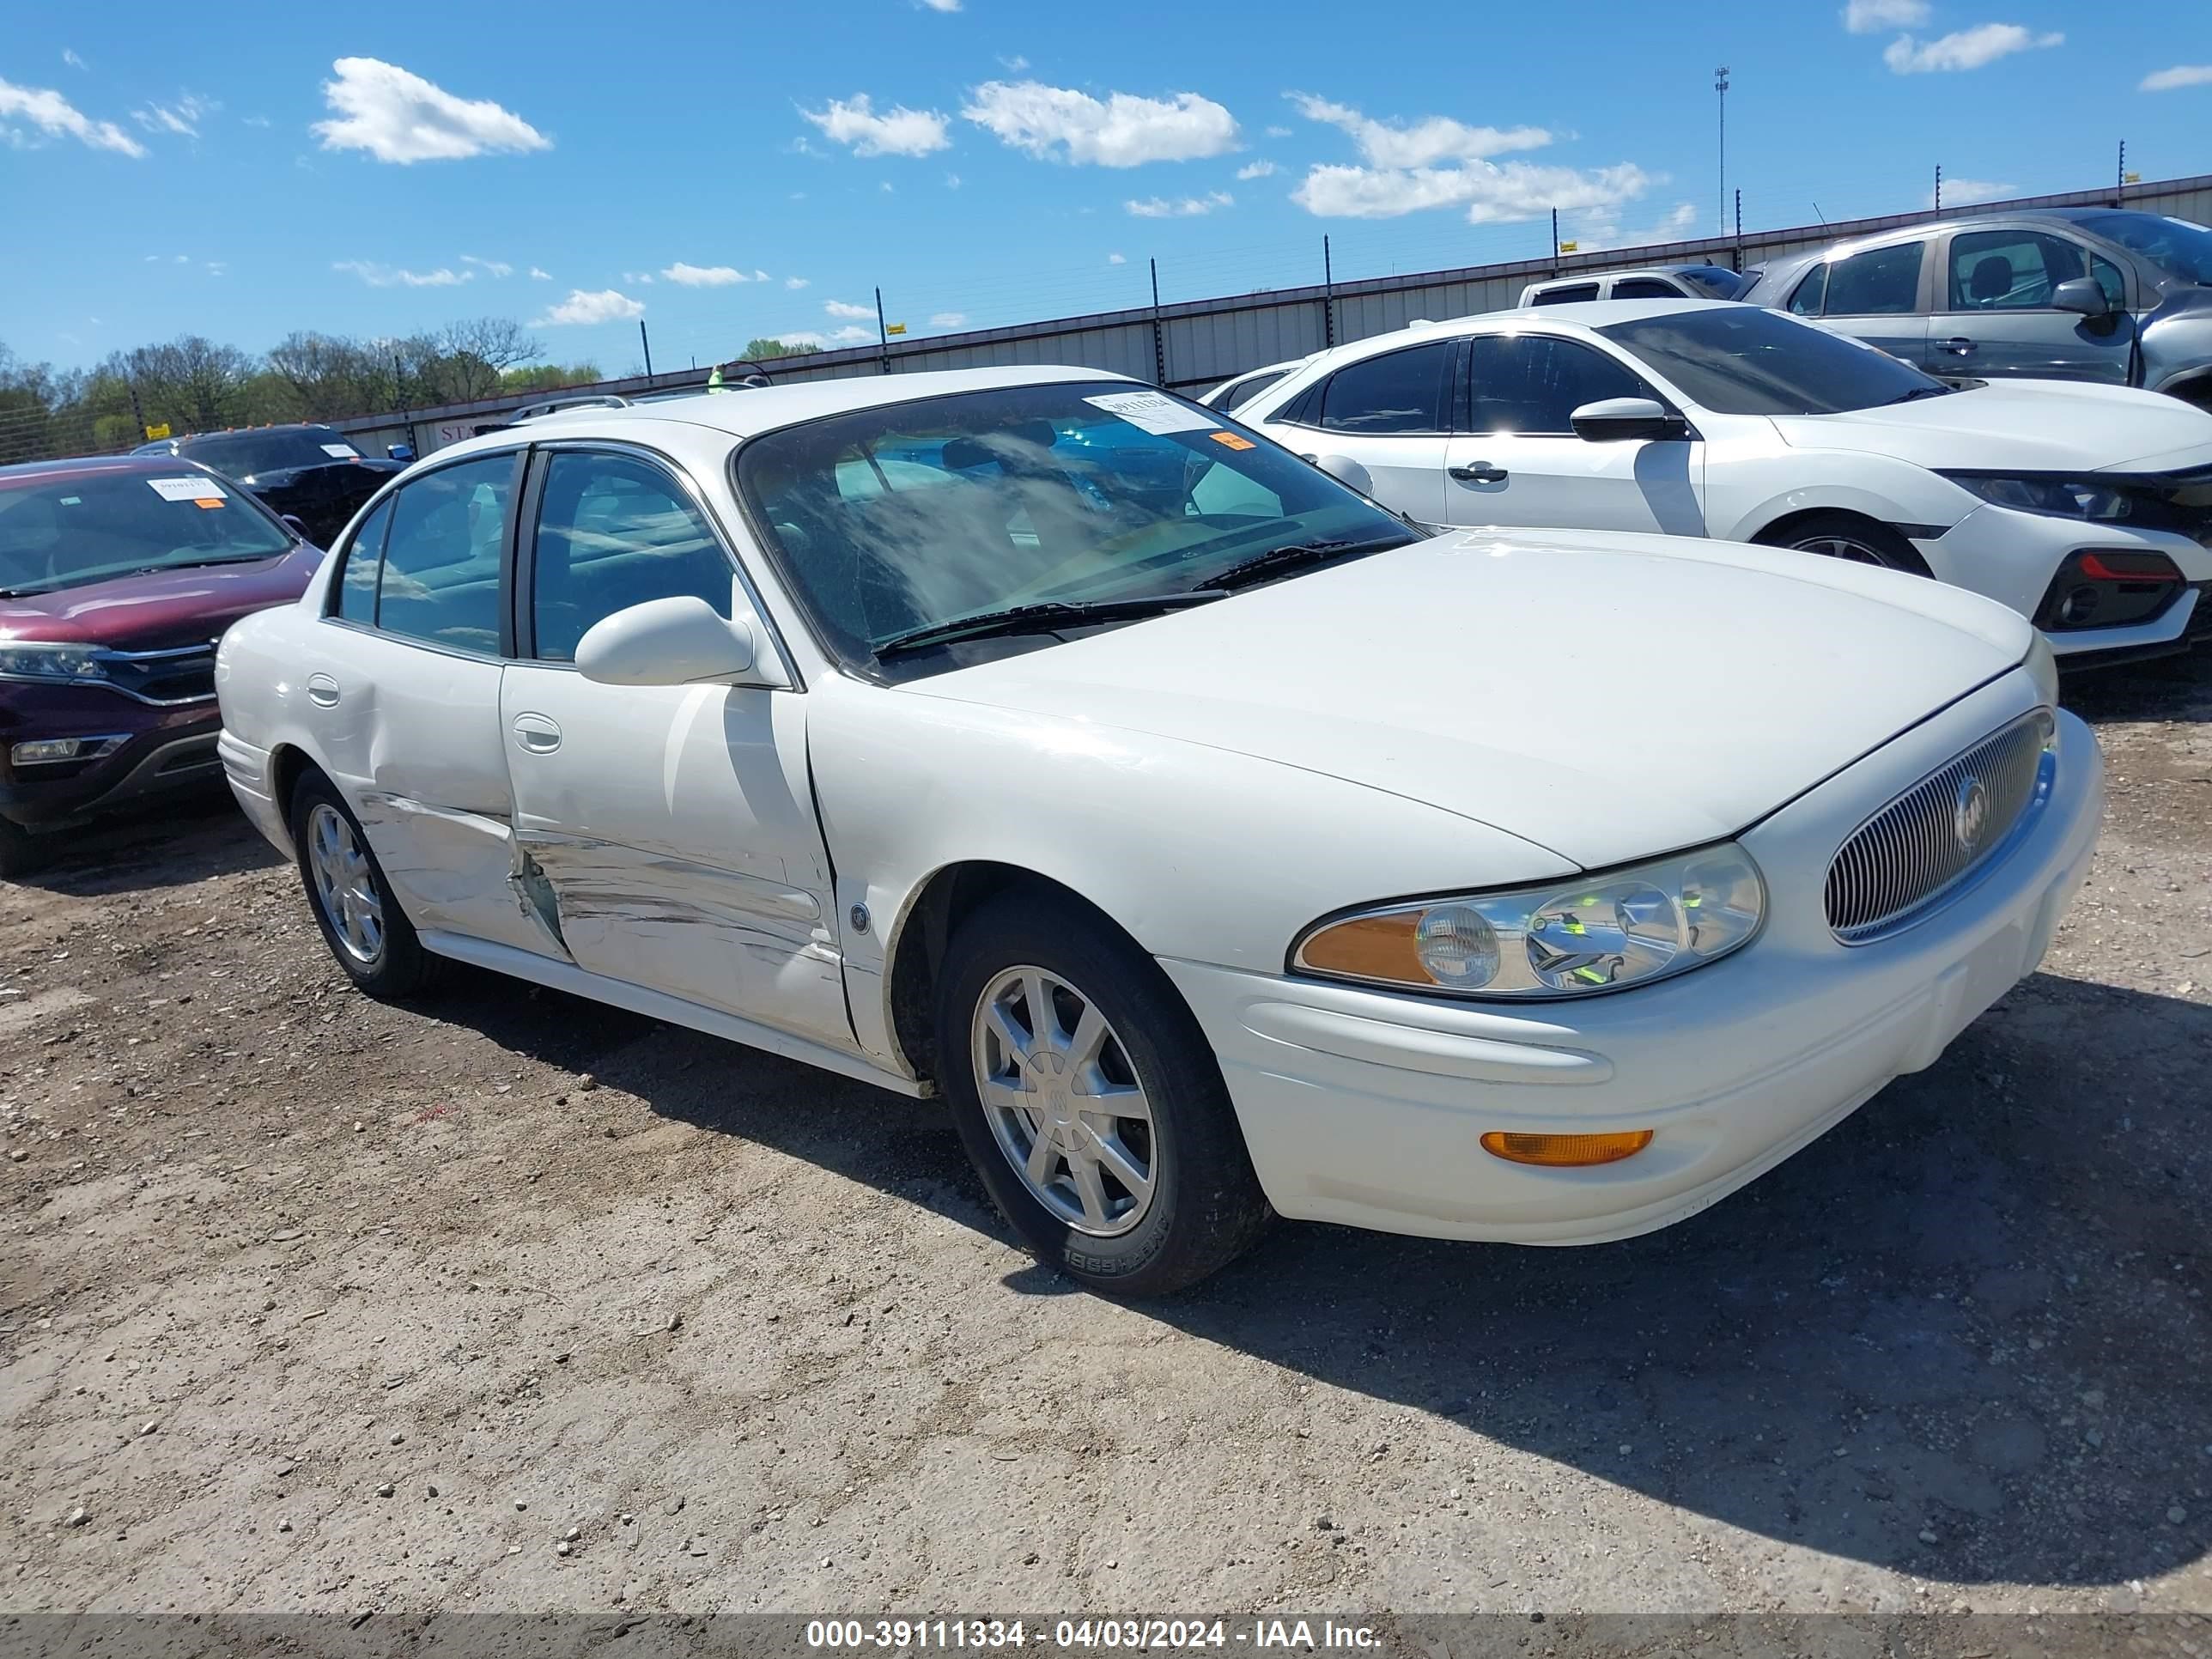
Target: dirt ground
<point x="521" y="1303"/>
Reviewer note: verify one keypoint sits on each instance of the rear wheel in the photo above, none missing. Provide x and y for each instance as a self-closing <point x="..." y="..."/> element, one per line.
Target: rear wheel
<point x="1852" y="538"/>
<point x="369" y="934"/>
<point x="1090" y="1102"/>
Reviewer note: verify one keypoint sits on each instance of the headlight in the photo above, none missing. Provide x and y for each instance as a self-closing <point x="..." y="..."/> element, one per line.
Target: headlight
<point x="20" y="661"/>
<point x="2059" y="498"/>
<point x="1570" y="939"/>
<point x="2043" y="666"/>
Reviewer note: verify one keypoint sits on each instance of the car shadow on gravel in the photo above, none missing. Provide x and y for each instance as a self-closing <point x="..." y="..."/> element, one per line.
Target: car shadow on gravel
<point x="1972" y="1313"/>
<point x="191" y="837"/>
<point x="2164" y="689"/>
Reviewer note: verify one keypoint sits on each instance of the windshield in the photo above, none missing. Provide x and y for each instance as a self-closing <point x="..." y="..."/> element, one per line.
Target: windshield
<point x="895" y="518"/>
<point x="2177" y="247"/>
<point x="1742" y="359"/>
<point x="242" y="455"/>
<point x="69" y="531"/>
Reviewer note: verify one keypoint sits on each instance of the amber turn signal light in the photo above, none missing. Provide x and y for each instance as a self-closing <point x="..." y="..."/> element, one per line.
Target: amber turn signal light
<point x="1565" y="1151"/>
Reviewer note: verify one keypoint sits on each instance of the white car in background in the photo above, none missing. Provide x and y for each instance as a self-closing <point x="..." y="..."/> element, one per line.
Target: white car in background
<point x="2085" y="508"/>
<point x="1232" y="394"/>
<point x="1213" y="843"/>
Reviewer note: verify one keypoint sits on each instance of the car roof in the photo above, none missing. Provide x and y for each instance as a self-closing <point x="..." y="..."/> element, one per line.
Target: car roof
<point x="80" y="466"/>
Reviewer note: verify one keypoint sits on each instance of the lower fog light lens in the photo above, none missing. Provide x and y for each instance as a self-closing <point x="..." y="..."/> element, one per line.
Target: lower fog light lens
<point x="1565" y="1151"/>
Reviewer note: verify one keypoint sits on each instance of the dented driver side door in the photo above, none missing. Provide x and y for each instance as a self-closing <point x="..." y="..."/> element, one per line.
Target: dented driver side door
<point x="665" y="836"/>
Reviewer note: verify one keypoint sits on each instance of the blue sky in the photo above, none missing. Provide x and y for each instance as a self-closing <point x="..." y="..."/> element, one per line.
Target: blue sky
<point x="734" y="169"/>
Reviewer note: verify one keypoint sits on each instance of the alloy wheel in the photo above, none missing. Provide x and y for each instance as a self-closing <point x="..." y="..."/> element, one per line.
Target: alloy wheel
<point x="344" y="886"/>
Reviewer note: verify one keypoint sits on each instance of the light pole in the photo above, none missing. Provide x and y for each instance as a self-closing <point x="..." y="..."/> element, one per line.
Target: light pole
<point x="1721" y="86"/>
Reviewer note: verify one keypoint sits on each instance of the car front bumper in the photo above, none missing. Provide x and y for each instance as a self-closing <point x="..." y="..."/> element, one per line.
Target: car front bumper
<point x="1366" y="1108"/>
<point x="160" y="749"/>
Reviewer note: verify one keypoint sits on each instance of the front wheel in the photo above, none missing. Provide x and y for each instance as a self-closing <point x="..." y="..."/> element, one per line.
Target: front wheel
<point x="1853" y="539"/>
<point x="1090" y="1102"/>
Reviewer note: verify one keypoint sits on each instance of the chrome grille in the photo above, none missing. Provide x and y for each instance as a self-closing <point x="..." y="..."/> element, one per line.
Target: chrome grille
<point x="1921" y="847"/>
<point x="183" y="674"/>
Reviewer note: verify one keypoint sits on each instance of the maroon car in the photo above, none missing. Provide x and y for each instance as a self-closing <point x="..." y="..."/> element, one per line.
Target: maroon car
<point x="117" y="575"/>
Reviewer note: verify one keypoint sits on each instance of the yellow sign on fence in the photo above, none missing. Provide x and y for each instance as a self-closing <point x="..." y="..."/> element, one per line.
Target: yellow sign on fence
<point x="159" y="431"/>
<point x="896" y="328"/>
<point x="1569" y="247"/>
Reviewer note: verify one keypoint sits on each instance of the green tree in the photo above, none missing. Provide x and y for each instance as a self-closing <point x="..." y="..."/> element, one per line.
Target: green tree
<point x="760" y="350"/>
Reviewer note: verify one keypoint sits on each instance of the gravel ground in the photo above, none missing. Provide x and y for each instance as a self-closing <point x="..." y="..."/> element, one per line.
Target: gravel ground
<point x="522" y="1304"/>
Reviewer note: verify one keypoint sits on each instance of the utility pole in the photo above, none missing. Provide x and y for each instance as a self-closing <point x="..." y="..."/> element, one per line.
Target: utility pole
<point x="647" y="344"/>
<point x="1721" y="86"/>
<point x="1327" y="297"/>
<point x="883" y="334"/>
<point x="1159" y="339"/>
<point x="1555" y="239"/>
<point x="1939" y="189"/>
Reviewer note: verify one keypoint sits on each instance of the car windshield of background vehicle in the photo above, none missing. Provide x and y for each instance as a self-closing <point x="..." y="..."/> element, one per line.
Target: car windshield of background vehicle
<point x="2177" y="247"/>
<point x="70" y="531"/>
<point x="243" y="455"/>
<point x="1745" y="359"/>
<point x="889" y="520"/>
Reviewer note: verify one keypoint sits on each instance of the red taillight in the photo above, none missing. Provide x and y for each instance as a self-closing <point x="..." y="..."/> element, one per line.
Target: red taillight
<point x="2129" y="567"/>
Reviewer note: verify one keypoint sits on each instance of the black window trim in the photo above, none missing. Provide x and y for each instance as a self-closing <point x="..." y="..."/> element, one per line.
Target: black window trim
<point x="521" y="619"/>
<point x="518" y="457"/>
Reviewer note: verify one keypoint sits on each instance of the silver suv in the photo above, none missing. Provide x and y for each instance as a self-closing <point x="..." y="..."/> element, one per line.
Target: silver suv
<point x="2073" y="294"/>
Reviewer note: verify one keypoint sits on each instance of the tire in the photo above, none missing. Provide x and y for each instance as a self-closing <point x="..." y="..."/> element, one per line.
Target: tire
<point x="1856" y="540"/>
<point x="1203" y="1207"/>
<point x="370" y="936"/>
<point x="22" y="851"/>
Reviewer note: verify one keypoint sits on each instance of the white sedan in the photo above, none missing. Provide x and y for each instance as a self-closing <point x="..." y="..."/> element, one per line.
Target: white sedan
<point x="2085" y="508"/>
<point x="1215" y="845"/>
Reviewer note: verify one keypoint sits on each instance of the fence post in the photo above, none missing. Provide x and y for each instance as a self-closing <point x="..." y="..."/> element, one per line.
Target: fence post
<point x="883" y="337"/>
<point x="647" y="344"/>
<point x="1160" y="338"/>
<point x="1327" y="297"/>
<point x="1739" y="227"/>
<point x="2120" y="183"/>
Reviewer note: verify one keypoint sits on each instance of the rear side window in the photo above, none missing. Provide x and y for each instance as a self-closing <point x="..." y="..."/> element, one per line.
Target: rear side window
<point x="1567" y="295"/>
<point x="1645" y="288"/>
<point x="364" y="563"/>
<point x="613" y="532"/>
<point x="1532" y="383"/>
<point x="1242" y="392"/>
<point x="1397" y="391"/>
<point x="442" y="556"/>
<point x="1811" y="293"/>
<point x="1882" y="282"/>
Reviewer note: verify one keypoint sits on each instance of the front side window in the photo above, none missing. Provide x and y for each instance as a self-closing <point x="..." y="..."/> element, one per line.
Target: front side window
<point x="1880" y="282"/>
<point x="1534" y="383"/>
<point x="2011" y="269"/>
<point x="613" y="532"/>
<point x="902" y="517"/>
<point x="440" y="580"/>
<point x="65" y="530"/>
<point x="1745" y="359"/>
<point x="1396" y="391"/>
<point x="1567" y="295"/>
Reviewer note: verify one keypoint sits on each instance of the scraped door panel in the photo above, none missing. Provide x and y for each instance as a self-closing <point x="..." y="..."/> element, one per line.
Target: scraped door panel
<point x="672" y="842"/>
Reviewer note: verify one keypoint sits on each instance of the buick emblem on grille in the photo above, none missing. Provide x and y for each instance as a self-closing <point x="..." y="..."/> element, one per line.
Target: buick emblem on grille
<point x="1970" y="813"/>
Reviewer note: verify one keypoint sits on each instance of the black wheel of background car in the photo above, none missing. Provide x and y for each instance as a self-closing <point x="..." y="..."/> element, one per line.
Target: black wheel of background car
<point x="361" y="923"/>
<point x="1847" y="536"/>
<point x="23" y="851"/>
<point x="1091" y="1101"/>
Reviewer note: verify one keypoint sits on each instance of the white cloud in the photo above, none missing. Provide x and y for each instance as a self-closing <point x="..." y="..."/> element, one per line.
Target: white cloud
<point x="607" y="305"/>
<point x="257" y="121"/>
<point x="948" y="319"/>
<point x="537" y="275"/>
<point x="1491" y="192"/>
<point x="1871" y="16"/>
<point x="638" y="278"/>
<point x="942" y="5"/>
<point x="379" y="275"/>
<point x="850" y="335"/>
<point x="1123" y="130"/>
<point x="802" y="336"/>
<point x="839" y="308"/>
<point x="1603" y="230"/>
<point x="2181" y="75"/>
<point x="1189" y="206"/>
<point x="1115" y="259"/>
<point x="183" y="259"/>
<point x="796" y="282"/>
<point x="886" y="187"/>
<point x="1015" y="64"/>
<point x="703" y="275"/>
<point x="1432" y="139"/>
<point x="760" y="276"/>
<point x="399" y="117"/>
<point x="1968" y="49"/>
<point x="952" y="181"/>
<point x="489" y="267"/>
<point x="182" y="118"/>
<point x="73" y="60"/>
<point x="1256" y="170"/>
<point x="1957" y="193"/>
<point x="217" y="267"/>
<point x="902" y="131"/>
<point x="54" y="115"/>
<point x="1278" y="132"/>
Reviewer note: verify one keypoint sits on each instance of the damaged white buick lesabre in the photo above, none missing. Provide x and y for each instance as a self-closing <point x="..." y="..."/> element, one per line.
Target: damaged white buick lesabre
<point x="1214" y="844"/>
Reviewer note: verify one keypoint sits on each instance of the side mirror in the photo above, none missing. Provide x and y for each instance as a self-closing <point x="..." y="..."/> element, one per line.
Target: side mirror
<point x="2083" y="294"/>
<point x="678" y="642"/>
<point x="1619" y="420"/>
<point x="399" y="451"/>
<point x="297" y="525"/>
<point x="1346" y="471"/>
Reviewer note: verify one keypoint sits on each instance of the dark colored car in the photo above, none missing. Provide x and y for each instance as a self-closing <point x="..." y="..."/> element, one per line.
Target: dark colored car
<point x="310" y="472"/>
<point x="2066" y="294"/>
<point x="117" y="575"/>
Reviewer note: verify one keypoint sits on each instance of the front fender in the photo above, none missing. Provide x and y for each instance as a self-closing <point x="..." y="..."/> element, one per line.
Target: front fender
<point x="1765" y="490"/>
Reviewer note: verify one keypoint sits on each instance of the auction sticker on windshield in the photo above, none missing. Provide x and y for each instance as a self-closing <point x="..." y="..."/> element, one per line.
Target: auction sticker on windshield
<point x="343" y="452"/>
<point x="187" y="489"/>
<point x="1150" y="411"/>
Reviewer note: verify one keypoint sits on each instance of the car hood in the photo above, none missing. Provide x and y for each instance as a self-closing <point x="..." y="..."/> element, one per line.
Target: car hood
<point x="2026" y="426"/>
<point x="187" y="606"/>
<point x="1609" y="697"/>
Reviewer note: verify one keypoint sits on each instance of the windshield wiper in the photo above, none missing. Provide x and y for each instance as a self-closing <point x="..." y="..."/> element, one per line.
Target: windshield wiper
<point x="1919" y="391"/>
<point x="1289" y="556"/>
<point x="1043" y="617"/>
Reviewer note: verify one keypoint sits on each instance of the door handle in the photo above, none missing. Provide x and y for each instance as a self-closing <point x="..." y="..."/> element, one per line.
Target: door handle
<point x="1958" y="345"/>
<point x="1481" y="472"/>
<point x="537" y="734"/>
<point x="322" y="691"/>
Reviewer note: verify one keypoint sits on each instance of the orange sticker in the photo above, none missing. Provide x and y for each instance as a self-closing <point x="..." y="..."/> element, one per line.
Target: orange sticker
<point x="207" y="503"/>
<point x="1230" y="441"/>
